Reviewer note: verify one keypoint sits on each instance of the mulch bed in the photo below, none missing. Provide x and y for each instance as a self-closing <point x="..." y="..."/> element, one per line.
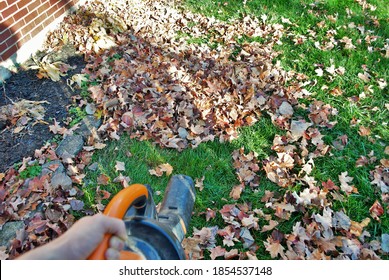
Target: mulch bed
<point x="26" y="85"/>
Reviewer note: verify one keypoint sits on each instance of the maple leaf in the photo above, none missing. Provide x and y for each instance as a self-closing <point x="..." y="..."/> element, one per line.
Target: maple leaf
<point x="319" y="72"/>
<point x="344" y="183"/>
<point x="361" y="161"/>
<point x="55" y="128"/>
<point x="297" y="129"/>
<point x="103" y="180"/>
<point x="206" y="236"/>
<point x="250" y="222"/>
<point x="236" y="191"/>
<point x="341" y="220"/>
<point x="364" y="131"/>
<point x="192" y="248"/>
<point x="210" y="214"/>
<point x="247" y="238"/>
<point x="272" y="225"/>
<point x="357" y="228"/>
<point x="217" y="252"/>
<point x="120" y="166"/>
<point x="124" y="180"/>
<point x="364" y="77"/>
<point x="231" y="254"/>
<point x="376" y="210"/>
<point x="79" y="79"/>
<point x="326" y="219"/>
<point x="199" y="183"/>
<point x="274" y="248"/>
<point x="286" y="109"/>
<point x="160" y="169"/>
<point x="76" y="204"/>
<point x="329" y="185"/>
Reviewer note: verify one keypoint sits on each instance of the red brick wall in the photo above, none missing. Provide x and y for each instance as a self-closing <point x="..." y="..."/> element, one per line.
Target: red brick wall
<point x="21" y="20"/>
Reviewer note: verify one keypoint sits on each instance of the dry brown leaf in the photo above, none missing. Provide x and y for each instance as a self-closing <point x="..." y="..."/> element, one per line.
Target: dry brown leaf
<point x="376" y="210"/>
<point x="274" y="248"/>
<point x="120" y="166"/>
<point x="364" y="131"/>
<point x="298" y="128"/>
<point x="272" y="225"/>
<point x="162" y="168"/>
<point x="199" y="183"/>
<point x="217" y="252"/>
<point x="364" y="77"/>
<point x="344" y="182"/>
<point x="236" y="191"/>
<point x="231" y="254"/>
<point x="103" y="180"/>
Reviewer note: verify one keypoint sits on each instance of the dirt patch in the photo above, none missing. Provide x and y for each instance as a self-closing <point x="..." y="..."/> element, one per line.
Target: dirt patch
<point x="26" y="85"/>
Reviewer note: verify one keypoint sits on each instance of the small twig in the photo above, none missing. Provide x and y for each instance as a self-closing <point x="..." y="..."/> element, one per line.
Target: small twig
<point x="5" y="95"/>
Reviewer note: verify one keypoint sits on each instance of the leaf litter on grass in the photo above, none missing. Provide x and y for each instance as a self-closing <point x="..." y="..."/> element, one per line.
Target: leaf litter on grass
<point x="153" y="84"/>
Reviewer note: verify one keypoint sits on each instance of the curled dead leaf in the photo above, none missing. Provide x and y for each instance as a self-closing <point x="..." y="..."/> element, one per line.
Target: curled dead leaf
<point x="376" y="210"/>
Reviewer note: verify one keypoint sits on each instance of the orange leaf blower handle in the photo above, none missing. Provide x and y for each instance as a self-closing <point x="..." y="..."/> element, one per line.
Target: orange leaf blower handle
<point x="117" y="208"/>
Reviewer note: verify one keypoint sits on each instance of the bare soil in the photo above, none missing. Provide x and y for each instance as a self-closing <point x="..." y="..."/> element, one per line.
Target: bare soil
<point x="26" y="85"/>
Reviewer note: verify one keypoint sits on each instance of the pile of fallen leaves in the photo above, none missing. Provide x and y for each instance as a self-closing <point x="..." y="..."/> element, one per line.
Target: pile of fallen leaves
<point x="154" y="85"/>
<point x="21" y="114"/>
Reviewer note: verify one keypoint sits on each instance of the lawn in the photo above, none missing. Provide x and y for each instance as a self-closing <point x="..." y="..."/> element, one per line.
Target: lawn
<point x="340" y="52"/>
<point x="277" y="109"/>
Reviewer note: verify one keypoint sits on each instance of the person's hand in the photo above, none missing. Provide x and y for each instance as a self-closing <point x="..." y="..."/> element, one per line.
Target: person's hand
<point x="82" y="239"/>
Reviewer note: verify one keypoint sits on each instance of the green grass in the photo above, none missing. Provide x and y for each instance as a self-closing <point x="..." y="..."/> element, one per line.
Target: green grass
<point x="303" y="58"/>
<point x="213" y="160"/>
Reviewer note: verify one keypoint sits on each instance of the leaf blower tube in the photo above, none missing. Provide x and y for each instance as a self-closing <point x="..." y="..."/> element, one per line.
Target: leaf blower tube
<point x="152" y="236"/>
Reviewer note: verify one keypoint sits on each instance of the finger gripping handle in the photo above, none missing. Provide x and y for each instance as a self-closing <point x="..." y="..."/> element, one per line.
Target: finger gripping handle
<point x="117" y="208"/>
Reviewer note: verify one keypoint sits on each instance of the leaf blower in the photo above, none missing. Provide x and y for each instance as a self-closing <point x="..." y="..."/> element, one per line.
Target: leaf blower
<point x="152" y="236"/>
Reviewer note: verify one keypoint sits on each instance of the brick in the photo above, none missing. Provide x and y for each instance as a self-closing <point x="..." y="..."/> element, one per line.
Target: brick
<point x="52" y="10"/>
<point x="5" y="35"/>
<point x="40" y="19"/>
<point x="43" y="8"/>
<point x="10" y="2"/>
<point x="38" y="29"/>
<point x="3" y="5"/>
<point x="53" y="2"/>
<point x="23" y="3"/>
<point x="63" y="3"/>
<point x="31" y="16"/>
<point x="12" y="40"/>
<point x="9" y="11"/>
<point x="47" y="21"/>
<point x="33" y="5"/>
<point x="3" y="48"/>
<point x="24" y="40"/>
<point x="27" y="29"/>
<point x="8" y="22"/>
<point x="18" y="25"/>
<point x="9" y="52"/>
<point x="59" y="12"/>
<point x="20" y="14"/>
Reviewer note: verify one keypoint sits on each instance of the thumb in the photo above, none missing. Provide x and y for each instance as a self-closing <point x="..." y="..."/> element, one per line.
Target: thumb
<point x="112" y="225"/>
